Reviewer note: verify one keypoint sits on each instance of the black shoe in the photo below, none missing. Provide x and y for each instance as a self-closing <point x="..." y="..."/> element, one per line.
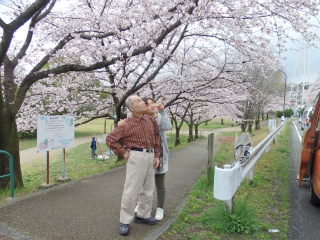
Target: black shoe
<point x="149" y="221"/>
<point x="124" y="229"/>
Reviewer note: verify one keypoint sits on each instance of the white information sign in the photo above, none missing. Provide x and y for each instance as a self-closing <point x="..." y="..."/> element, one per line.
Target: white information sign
<point x="272" y="124"/>
<point x="55" y="132"/>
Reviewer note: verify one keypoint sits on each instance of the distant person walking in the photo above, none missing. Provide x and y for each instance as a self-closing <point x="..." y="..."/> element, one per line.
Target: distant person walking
<point x="142" y="150"/>
<point x="158" y="113"/>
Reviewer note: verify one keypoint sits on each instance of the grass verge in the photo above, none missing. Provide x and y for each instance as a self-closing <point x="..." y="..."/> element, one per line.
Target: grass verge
<point x="78" y="164"/>
<point x="262" y="204"/>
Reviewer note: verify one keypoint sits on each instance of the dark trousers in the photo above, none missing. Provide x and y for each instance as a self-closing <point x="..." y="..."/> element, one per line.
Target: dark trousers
<point x="161" y="189"/>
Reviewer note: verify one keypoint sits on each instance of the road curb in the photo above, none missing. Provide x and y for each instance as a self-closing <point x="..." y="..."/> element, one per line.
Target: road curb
<point x="14" y="234"/>
<point x="165" y="225"/>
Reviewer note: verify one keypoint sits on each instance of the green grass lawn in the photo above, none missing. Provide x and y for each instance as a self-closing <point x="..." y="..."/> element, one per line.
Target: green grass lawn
<point x="97" y="127"/>
<point x="94" y="127"/>
<point x="261" y="204"/>
<point x="213" y="124"/>
<point x="78" y="163"/>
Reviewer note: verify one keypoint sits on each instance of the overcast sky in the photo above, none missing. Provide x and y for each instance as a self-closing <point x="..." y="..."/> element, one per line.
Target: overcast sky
<point x="291" y="64"/>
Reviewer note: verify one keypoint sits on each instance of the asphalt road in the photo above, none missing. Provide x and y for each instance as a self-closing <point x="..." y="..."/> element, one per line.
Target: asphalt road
<point x="304" y="218"/>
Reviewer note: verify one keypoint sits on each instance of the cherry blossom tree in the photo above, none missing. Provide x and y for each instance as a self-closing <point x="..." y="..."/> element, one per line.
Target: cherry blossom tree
<point x="74" y="50"/>
<point x="262" y="88"/>
<point x="312" y="92"/>
<point x="178" y="114"/>
<point x="273" y="104"/>
<point x="87" y="57"/>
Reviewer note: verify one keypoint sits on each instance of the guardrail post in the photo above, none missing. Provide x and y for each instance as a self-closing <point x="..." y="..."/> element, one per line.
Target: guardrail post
<point x="230" y="203"/>
<point x="268" y="149"/>
<point x="11" y="172"/>
<point x="250" y="175"/>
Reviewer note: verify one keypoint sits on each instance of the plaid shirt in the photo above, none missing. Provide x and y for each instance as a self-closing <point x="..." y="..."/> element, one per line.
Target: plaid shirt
<point x="138" y="132"/>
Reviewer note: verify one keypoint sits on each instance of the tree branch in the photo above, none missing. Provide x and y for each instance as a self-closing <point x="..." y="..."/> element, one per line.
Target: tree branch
<point x="93" y="118"/>
<point x="10" y="28"/>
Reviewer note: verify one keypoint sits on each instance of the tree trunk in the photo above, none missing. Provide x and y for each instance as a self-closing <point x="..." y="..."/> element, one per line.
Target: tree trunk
<point x="174" y="120"/>
<point x="243" y="126"/>
<point x="221" y="121"/>
<point x="232" y="123"/>
<point x="262" y="117"/>
<point x="267" y="116"/>
<point x="177" y="142"/>
<point x="206" y="123"/>
<point x="257" y="123"/>
<point x="190" y="137"/>
<point x="196" y="131"/>
<point x="250" y="126"/>
<point x="9" y="141"/>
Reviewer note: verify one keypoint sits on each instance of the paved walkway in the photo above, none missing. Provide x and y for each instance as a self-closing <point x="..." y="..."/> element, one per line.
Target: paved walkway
<point x="88" y="208"/>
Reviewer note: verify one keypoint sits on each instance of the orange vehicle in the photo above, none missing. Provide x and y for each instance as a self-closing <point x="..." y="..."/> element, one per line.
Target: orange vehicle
<point x="310" y="155"/>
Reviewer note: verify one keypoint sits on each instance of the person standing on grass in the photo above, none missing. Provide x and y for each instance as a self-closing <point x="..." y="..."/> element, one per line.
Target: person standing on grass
<point x="158" y="113"/>
<point x="142" y="150"/>
<point x="93" y="147"/>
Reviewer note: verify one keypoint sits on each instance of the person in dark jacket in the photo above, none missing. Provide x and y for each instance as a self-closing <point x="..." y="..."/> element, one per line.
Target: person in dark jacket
<point x="93" y="146"/>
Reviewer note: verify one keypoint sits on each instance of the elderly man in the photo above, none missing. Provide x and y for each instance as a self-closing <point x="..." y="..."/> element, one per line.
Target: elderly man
<point x="142" y="150"/>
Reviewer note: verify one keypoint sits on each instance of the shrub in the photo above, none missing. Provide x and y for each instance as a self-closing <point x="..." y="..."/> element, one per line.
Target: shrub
<point x="279" y="114"/>
<point x="301" y="111"/>
<point x="220" y="219"/>
<point x="288" y="112"/>
<point x="28" y="134"/>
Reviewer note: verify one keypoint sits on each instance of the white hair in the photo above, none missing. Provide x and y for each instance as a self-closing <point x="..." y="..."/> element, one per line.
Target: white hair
<point x="129" y="101"/>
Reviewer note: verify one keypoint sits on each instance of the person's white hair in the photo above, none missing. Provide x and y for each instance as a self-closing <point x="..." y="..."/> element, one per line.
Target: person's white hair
<point x="129" y="101"/>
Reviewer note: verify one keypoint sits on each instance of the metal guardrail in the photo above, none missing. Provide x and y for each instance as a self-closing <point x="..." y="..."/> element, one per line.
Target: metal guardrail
<point x="227" y="180"/>
<point x="11" y="172"/>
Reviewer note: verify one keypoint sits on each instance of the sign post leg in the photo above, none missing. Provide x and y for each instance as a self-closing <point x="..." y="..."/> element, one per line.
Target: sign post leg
<point x="63" y="178"/>
<point x="47" y="167"/>
<point x="63" y="162"/>
<point x="47" y="184"/>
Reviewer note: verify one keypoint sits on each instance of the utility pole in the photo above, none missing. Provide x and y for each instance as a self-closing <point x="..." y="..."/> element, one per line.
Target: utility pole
<point x="285" y="89"/>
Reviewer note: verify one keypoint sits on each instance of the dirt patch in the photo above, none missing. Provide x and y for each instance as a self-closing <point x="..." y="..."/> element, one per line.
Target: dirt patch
<point x="227" y="139"/>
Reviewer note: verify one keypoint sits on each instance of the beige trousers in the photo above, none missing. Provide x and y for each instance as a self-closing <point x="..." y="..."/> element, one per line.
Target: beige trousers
<point x="139" y="177"/>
